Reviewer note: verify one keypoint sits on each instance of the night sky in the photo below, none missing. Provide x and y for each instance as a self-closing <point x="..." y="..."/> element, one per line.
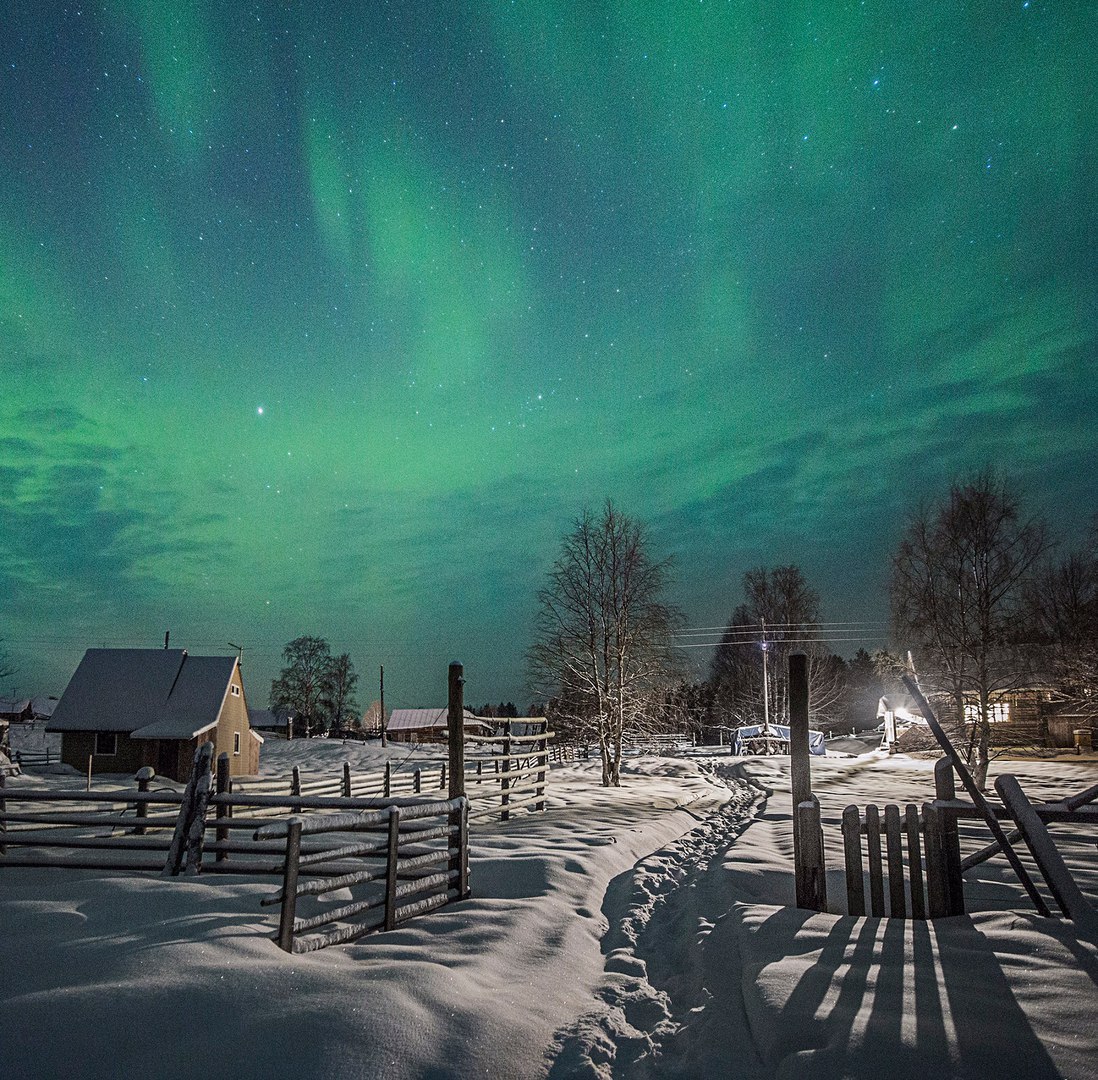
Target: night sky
<point x="321" y="321"/>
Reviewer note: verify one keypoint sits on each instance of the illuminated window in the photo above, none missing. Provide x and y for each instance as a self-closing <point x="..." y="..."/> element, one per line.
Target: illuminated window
<point x="997" y="713"/>
<point x="235" y="690"/>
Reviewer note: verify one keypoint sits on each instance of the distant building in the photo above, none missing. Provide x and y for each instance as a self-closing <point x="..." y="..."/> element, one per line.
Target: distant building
<point x="127" y="708"/>
<point x="16" y="710"/>
<point x="429" y="725"/>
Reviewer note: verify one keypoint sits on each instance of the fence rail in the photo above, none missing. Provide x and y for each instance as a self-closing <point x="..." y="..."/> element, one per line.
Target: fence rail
<point x="396" y="869"/>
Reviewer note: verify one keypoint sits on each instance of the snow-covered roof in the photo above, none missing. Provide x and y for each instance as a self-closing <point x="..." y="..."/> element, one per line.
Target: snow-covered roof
<point x="427" y="719"/>
<point x="43" y="705"/>
<point x="13" y="706"/>
<point x="148" y="693"/>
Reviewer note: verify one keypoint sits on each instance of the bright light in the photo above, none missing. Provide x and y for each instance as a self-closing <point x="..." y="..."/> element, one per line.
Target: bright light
<point x="259" y="410"/>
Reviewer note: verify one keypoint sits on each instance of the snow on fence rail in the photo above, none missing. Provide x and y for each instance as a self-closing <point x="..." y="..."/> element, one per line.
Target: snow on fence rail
<point x="172" y="832"/>
<point x="410" y="860"/>
<point x="504" y="774"/>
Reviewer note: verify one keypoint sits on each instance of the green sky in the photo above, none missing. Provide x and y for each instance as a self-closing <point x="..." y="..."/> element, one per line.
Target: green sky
<point x="326" y="320"/>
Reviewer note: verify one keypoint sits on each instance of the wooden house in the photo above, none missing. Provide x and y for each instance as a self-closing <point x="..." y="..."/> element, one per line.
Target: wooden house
<point x="429" y="725"/>
<point x="127" y="708"/>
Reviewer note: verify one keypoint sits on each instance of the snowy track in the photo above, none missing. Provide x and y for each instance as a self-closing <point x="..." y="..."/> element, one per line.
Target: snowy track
<point x="660" y="995"/>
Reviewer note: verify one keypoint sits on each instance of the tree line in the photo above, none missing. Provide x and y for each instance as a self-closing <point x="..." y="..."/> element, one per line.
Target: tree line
<point x="981" y="601"/>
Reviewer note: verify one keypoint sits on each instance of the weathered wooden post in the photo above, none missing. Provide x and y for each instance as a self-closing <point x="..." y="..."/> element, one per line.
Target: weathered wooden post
<point x="346" y="779"/>
<point x="144" y="775"/>
<point x="945" y="789"/>
<point x="388" y="779"/>
<point x="3" y="821"/>
<point x="505" y="783"/>
<point x="392" y="857"/>
<point x="295" y="781"/>
<point x="808" y="850"/>
<point x="543" y="763"/>
<point x="289" y="886"/>
<point x="417" y="782"/>
<point x="458" y="819"/>
<point x="224" y="809"/>
<point x="852" y="856"/>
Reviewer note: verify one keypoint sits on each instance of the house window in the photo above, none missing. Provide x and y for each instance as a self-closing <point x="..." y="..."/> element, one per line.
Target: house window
<point x="997" y="713"/>
<point x="235" y="690"/>
<point x="236" y="742"/>
<point x="106" y="743"/>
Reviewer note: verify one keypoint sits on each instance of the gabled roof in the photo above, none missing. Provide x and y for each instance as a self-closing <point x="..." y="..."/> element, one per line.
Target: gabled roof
<point x="428" y="719"/>
<point x="147" y="693"/>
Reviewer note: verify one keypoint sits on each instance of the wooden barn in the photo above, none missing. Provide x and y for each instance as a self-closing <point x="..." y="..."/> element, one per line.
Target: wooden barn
<point x="429" y="725"/>
<point x="127" y="708"/>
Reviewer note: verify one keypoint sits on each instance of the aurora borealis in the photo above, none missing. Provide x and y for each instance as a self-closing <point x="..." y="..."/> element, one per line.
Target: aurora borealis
<point x="328" y="318"/>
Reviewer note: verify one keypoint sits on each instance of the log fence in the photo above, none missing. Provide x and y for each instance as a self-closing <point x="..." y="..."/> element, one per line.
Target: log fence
<point x="406" y="861"/>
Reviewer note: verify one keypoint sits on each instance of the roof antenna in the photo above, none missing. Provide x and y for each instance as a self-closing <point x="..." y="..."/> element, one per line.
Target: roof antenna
<point x="167" y="634"/>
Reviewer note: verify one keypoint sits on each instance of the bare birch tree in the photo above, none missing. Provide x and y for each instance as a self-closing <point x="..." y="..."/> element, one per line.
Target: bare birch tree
<point x="602" y="652"/>
<point x="957" y="583"/>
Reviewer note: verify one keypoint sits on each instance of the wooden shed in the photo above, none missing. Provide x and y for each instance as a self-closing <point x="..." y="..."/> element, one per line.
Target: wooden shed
<point x="429" y="725"/>
<point x="127" y="708"/>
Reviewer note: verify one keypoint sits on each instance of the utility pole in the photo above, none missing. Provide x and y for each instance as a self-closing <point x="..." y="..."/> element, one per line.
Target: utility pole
<point x="766" y="684"/>
<point x="383" y="740"/>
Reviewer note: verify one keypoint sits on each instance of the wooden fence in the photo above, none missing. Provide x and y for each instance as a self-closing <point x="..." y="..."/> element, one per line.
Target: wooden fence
<point x="504" y="774"/>
<point x="174" y="832"/>
<point x="915" y="858"/>
<point x="507" y="773"/>
<point x="411" y="860"/>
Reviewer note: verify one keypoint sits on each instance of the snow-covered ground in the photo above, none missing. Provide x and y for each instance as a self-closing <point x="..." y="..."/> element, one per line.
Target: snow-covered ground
<point x="637" y="932"/>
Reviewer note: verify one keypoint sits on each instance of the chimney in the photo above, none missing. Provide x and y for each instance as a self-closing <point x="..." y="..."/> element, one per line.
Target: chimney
<point x="167" y="634"/>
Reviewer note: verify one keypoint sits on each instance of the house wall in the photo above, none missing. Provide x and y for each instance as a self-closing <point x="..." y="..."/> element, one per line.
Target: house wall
<point x="77" y="745"/>
<point x="232" y="721"/>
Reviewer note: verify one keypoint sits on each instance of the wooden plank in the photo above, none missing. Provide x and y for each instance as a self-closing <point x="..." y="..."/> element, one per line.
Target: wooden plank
<point x="914" y="862"/>
<point x="289" y="887"/>
<point x="937" y="893"/>
<point x="876" y="871"/>
<point x="391" y="867"/>
<point x="897" y="902"/>
<point x="852" y="857"/>
<point x="1069" y="898"/>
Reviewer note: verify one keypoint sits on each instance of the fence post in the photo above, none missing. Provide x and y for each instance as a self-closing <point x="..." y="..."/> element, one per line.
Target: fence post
<point x="937" y="893"/>
<point x="876" y="870"/>
<point x="388" y="779"/>
<point x="463" y="881"/>
<point x="852" y="856"/>
<point x="505" y="783"/>
<point x="417" y="782"/>
<point x="187" y="809"/>
<point x="442" y="776"/>
<point x="289" y="886"/>
<point x="455" y="731"/>
<point x="391" y="856"/>
<point x="945" y="788"/>
<point x="914" y="862"/>
<point x="808" y="851"/>
<point x="811" y="886"/>
<point x="224" y="809"/>
<point x="144" y="775"/>
<point x="543" y="762"/>
<point x="346" y="779"/>
<point x="3" y="822"/>
<point x="897" y="901"/>
<point x="295" y="781"/>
